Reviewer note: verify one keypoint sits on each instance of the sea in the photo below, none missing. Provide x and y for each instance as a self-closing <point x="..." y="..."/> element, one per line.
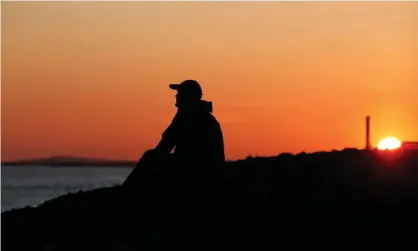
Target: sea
<point x="23" y="186"/>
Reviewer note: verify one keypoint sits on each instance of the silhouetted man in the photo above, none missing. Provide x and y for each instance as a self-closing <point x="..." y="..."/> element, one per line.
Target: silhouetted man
<point x="195" y="136"/>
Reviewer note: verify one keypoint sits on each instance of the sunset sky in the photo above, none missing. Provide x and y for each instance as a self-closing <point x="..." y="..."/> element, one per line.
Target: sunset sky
<point x="91" y="78"/>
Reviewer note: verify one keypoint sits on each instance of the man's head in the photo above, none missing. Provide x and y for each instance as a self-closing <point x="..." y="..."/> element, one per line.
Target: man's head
<point x="189" y="93"/>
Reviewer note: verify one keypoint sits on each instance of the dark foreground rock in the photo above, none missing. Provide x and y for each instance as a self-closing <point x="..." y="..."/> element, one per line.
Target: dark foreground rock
<point x="336" y="199"/>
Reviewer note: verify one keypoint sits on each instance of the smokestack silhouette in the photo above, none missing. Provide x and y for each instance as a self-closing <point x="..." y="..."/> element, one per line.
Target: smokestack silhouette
<point x="368" y="132"/>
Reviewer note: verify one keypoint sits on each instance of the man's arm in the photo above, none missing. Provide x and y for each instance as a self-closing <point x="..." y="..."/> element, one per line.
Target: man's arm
<point x="169" y="137"/>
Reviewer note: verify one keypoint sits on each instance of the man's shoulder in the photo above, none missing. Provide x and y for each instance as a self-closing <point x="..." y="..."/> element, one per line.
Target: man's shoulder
<point x="212" y="118"/>
<point x="214" y="124"/>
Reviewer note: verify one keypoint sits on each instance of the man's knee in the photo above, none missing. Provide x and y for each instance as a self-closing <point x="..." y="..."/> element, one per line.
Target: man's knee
<point x="156" y="157"/>
<point x="149" y="155"/>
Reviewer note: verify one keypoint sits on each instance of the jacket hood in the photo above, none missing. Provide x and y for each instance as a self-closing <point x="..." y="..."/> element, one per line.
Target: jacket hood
<point x="207" y="106"/>
<point x="204" y="106"/>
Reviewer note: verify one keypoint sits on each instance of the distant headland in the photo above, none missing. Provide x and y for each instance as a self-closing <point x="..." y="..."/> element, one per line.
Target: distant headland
<point x="65" y="161"/>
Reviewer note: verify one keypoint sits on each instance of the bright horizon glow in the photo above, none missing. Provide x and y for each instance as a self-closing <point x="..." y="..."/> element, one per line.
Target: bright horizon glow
<point x="389" y="143"/>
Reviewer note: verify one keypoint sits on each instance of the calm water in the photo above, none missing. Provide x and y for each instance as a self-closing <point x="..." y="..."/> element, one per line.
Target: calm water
<point x="31" y="186"/>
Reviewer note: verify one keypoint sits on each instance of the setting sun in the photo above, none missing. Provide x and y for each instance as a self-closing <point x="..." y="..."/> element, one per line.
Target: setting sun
<point x="389" y="143"/>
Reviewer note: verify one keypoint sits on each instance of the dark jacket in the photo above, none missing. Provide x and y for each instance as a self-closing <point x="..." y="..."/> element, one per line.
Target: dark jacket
<point x="195" y="135"/>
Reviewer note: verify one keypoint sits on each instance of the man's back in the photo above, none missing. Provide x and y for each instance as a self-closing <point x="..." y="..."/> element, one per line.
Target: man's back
<point x="200" y="139"/>
<point x="196" y="135"/>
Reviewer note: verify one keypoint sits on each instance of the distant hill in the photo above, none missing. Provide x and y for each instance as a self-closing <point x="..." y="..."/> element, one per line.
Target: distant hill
<point x="69" y="161"/>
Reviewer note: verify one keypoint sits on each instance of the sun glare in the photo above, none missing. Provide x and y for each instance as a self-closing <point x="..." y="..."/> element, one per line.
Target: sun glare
<point x="389" y="143"/>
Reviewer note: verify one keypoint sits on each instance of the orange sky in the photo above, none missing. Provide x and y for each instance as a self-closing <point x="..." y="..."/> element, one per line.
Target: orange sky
<point x="91" y="78"/>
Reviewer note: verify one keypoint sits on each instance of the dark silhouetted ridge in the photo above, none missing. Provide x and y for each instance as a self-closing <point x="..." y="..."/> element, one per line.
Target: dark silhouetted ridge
<point x="349" y="198"/>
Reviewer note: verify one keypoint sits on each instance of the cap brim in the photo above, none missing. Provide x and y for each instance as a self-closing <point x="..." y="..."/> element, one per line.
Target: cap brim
<point x="174" y="86"/>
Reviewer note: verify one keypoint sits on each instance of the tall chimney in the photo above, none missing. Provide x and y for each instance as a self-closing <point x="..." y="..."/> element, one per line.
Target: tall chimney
<point x="368" y="132"/>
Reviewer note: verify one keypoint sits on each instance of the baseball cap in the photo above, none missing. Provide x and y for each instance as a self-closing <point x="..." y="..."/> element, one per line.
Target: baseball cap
<point x="188" y="87"/>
